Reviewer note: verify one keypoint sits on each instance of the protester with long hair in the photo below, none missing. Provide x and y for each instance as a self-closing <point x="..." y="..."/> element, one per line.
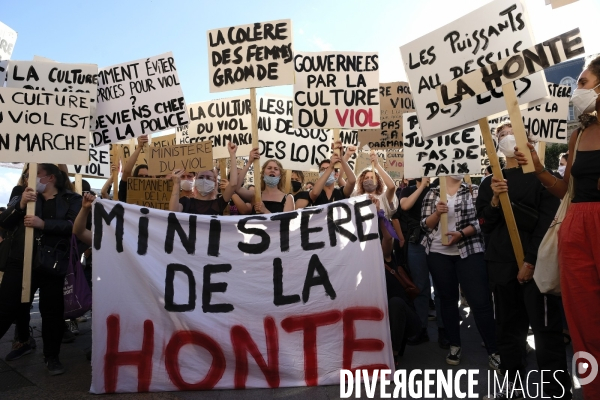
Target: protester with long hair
<point x="205" y="200"/>
<point x="273" y="198"/>
<point x="56" y="209"/>
<point x="579" y="238"/>
<point x="518" y="301"/>
<point x="460" y="262"/>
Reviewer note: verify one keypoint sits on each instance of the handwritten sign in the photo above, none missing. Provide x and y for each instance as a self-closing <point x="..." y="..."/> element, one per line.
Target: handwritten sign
<point x="451" y="154"/>
<point x="520" y="65"/>
<point x="222" y="121"/>
<point x="98" y="165"/>
<point x="8" y="38"/>
<point x="395" y="99"/>
<point x="336" y="90"/>
<point x="138" y="97"/>
<point x="496" y="30"/>
<point x="193" y="157"/>
<point x="296" y="149"/>
<point x="363" y="160"/>
<point x="149" y="192"/>
<point x="250" y="56"/>
<point x="44" y="127"/>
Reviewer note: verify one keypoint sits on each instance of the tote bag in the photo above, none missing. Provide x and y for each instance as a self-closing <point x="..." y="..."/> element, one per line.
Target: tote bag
<point x="77" y="292"/>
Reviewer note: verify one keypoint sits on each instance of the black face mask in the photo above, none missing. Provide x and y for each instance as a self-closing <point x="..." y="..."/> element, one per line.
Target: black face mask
<point x="296" y="186"/>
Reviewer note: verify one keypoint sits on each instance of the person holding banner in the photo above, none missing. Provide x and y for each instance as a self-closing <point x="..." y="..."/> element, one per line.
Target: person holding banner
<point x="205" y="200"/>
<point x="141" y="171"/>
<point x="56" y="209"/>
<point x="324" y="191"/>
<point x="301" y="196"/>
<point x="237" y="206"/>
<point x="460" y="262"/>
<point x="518" y="301"/>
<point x="187" y="185"/>
<point x="273" y="199"/>
<point x="578" y="238"/>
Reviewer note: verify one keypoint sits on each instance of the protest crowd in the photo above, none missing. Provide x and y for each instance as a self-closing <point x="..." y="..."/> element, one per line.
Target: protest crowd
<point x="443" y="241"/>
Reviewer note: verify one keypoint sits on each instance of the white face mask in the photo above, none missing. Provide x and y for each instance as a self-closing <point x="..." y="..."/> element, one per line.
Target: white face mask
<point x="561" y="169"/>
<point x="457" y="177"/>
<point x="204" y="186"/>
<point x="186" y="185"/>
<point x="507" y="146"/>
<point x="39" y="187"/>
<point x="584" y="101"/>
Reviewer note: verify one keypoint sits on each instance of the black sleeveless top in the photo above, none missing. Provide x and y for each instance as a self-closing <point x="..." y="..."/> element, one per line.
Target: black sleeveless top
<point x="274" y="206"/>
<point x="586" y="171"/>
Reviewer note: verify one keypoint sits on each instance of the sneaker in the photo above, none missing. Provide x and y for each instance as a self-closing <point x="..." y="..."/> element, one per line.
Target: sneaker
<point x="453" y="358"/>
<point x="506" y="393"/>
<point x="54" y="366"/>
<point x="18" y="350"/>
<point x="494" y="361"/>
<point x="443" y="342"/>
<point x="68" y="336"/>
<point x="73" y="327"/>
<point x="418" y="339"/>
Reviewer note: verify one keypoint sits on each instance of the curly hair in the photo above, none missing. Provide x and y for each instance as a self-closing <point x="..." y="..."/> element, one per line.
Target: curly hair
<point x="593" y="65"/>
<point x="361" y="179"/>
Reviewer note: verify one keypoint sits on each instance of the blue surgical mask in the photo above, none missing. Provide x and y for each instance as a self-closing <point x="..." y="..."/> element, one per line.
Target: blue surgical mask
<point x="271" y="181"/>
<point x="330" y="178"/>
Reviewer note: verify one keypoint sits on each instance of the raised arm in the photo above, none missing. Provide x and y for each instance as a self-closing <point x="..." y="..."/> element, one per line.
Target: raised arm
<point x="407" y="203"/>
<point x="233" y="173"/>
<point x="390" y="191"/>
<point x="245" y="194"/>
<point x="79" y="226"/>
<point x="108" y="183"/>
<point x="142" y="140"/>
<point x="351" y="178"/>
<point x="174" y="204"/>
<point x="320" y="183"/>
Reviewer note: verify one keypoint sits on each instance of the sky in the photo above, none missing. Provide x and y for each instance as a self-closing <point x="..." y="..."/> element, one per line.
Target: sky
<point x="112" y="32"/>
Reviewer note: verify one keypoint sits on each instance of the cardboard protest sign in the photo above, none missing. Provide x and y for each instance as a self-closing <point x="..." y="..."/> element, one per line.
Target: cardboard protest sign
<point x="8" y="38"/>
<point x="488" y="34"/>
<point x="363" y="160"/>
<point x="522" y="64"/>
<point x="250" y="56"/>
<point x="98" y="165"/>
<point x="452" y="154"/>
<point x="214" y="293"/>
<point x="149" y="192"/>
<point x="395" y="99"/>
<point x="394" y="162"/>
<point x="52" y="76"/>
<point x="183" y="137"/>
<point x="222" y="121"/>
<point x="350" y="138"/>
<point x="44" y="127"/>
<point x="193" y="157"/>
<point x="125" y="150"/>
<point x="137" y="98"/>
<point x="310" y="176"/>
<point x="295" y="149"/>
<point x="336" y="90"/>
<point x="3" y="71"/>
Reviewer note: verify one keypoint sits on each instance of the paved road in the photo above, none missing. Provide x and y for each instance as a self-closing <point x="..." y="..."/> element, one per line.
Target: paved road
<point x="27" y="378"/>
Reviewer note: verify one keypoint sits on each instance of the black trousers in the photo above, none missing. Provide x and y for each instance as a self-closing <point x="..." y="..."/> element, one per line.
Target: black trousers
<point x="404" y="323"/>
<point x="51" y="305"/>
<point x="517" y="307"/>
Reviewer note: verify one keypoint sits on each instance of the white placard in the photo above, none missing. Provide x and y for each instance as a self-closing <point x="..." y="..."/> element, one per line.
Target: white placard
<point x="138" y="98"/>
<point x="250" y="56"/>
<point x="98" y="166"/>
<point x="452" y="154"/>
<point x="221" y="121"/>
<point x="336" y="90"/>
<point x="8" y="38"/>
<point x="295" y="149"/>
<point x="203" y="295"/>
<point x="495" y="31"/>
<point x="44" y="127"/>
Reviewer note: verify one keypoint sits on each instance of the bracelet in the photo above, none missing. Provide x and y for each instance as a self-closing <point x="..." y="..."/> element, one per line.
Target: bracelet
<point x="542" y="171"/>
<point x="494" y="206"/>
<point x="555" y="182"/>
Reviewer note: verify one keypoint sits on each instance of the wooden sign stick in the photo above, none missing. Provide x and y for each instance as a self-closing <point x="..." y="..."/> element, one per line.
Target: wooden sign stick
<point x="29" y="231"/>
<point x="509" y="217"/>
<point x="79" y="183"/>
<point x="223" y="168"/>
<point x="254" y="128"/>
<point x="373" y="162"/>
<point x="542" y="152"/>
<point x="336" y="137"/>
<point x="115" y="173"/>
<point x="516" y="120"/>
<point x="444" y="216"/>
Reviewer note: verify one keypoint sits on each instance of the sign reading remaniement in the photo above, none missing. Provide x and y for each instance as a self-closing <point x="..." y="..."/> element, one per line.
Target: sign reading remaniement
<point x="227" y="302"/>
<point x="497" y="30"/>
<point x="138" y="97"/>
<point x="44" y="127"/>
<point x="249" y="56"/>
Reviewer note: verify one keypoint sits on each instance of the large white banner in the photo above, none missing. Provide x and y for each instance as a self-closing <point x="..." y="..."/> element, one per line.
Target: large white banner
<point x="295" y="149"/>
<point x="192" y="302"/>
<point x="137" y="98"/>
<point x="250" y="56"/>
<point x="456" y="153"/>
<point x="44" y="127"/>
<point x="497" y="30"/>
<point x="8" y="38"/>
